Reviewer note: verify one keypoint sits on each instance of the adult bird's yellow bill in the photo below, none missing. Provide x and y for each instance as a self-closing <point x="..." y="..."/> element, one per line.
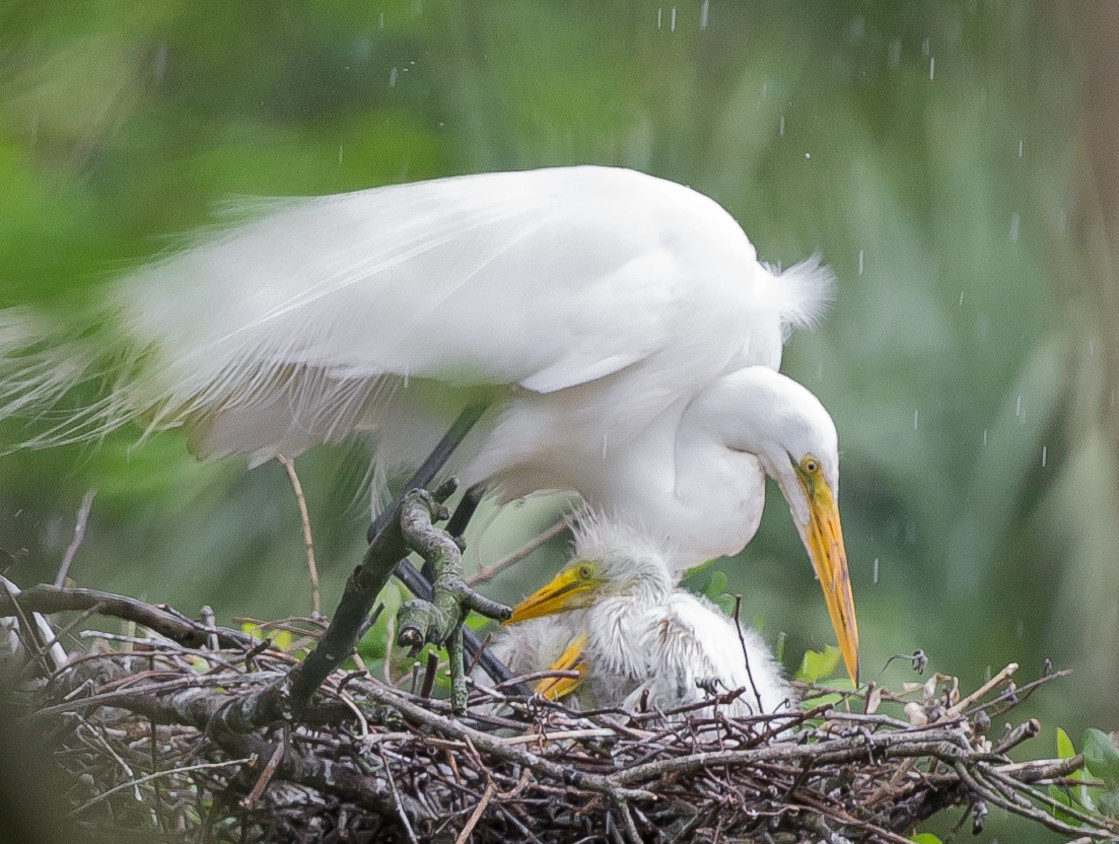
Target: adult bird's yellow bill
<point x="823" y="537"/>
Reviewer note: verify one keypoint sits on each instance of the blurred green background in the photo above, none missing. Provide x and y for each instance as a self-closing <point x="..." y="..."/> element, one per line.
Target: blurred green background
<point x="956" y="163"/>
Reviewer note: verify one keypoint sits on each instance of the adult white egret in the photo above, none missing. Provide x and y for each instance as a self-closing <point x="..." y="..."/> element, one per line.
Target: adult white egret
<point x="620" y="327"/>
<point x="634" y="632"/>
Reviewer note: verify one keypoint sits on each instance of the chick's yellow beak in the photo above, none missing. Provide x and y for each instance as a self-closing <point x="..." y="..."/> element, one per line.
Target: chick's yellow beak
<point x="570" y="660"/>
<point x="571" y="589"/>
<point x="824" y="539"/>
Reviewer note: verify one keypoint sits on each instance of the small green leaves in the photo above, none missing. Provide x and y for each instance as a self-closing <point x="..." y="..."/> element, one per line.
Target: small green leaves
<point x="1101" y="758"/>
<point x="818" y="666"/>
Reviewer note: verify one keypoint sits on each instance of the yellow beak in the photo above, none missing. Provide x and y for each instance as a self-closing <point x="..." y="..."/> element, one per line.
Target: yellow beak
<point x="570" y="660"/>
<point x="823" y="538"/>
<point x="571" y="589"/>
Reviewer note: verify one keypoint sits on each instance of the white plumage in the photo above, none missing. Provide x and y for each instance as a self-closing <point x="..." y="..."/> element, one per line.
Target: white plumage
<point x="643" y="635"/>
<point x="619" y="325"/>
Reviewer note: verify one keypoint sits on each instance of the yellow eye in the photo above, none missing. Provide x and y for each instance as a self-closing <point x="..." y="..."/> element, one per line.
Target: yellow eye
<point x="810" y="465"/>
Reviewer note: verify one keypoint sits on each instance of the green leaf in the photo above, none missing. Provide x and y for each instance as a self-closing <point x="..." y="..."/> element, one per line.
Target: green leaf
<point x="925" y="838"/>
<point x="1101" y="757"/>
<point x="1108" y="803"/>
<point x="717" y="585"/>
<point x="816" y="665"/>
<point x="1065" y="750"/>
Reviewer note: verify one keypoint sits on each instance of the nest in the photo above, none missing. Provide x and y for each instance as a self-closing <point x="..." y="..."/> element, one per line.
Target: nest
<point x="140" y="727"/>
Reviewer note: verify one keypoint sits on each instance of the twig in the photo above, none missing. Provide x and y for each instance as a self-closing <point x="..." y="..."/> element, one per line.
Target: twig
<point x="485" y="574"/>
<point x="995" y="681"/>
<point x="400" y="813"/>
<point x="205" y="766"/>
<point x="472" y="821"/>
<point x="48" y="599"/>
<point x="265" y="775"/>
<point x="79" y="534"/>
<point x="305" y="520"/>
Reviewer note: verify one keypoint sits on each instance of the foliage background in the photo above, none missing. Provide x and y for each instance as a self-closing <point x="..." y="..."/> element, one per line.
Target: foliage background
<point x="957" y="163"/>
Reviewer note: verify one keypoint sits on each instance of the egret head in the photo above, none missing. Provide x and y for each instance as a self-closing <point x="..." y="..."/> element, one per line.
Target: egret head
<point x="785" y="427"/>
<point x="611" y="560"/>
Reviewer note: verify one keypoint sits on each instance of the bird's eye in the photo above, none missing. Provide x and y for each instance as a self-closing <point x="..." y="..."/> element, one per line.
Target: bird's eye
<point x="585" y="572"/>
<point x="810" y="465"/>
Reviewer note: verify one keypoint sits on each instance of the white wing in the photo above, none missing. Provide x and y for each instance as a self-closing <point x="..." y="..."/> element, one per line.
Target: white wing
<point x="300" y="325"/>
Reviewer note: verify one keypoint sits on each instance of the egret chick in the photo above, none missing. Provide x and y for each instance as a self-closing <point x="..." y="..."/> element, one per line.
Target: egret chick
<point x="644" y="634"/>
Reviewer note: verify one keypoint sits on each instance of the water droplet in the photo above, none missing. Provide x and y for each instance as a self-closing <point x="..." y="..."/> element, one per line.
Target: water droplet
<point x="925" y="47"/>
<point x="392" y="78"/>
<point x="984" y="436"/>
<point x="1020" y="149"/>
<point x="876" y="570"/>
<point x="1015" y="219"/>
<point x="781" y="126"/>
<point x="932" y="67"/>
<point x="381" y="20"/>
<point x="1018" y="405"/>
<point x="915" y="415"/>
<point x="339" y="153"/>
<point x="765" y="90"/>
<point x="1044" y="455"/>
<point x="605" y="437"/>
<point x="1091" y="348"/>
<point x="1020" y="629"/>
<point x="961" y="298"/>
<point x="659" y="11"/>
<point x="860" y="262"/>
<point x="704" y="10"/>
<point x="893" y="53"/>
<point x="808" y="155"/>
<point x="672" y="20"/>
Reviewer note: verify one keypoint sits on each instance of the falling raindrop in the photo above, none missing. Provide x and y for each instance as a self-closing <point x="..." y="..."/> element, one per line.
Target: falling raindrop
<point x="925" y="47"/>
<point x="893" y="53"/>
<point x="1018" y="405"/>
<point x="1044" y="455"/>
<point x="984" y="436"/>
<point x="1015" y="218"/>
<point x="339" y="153"/>
<point x="781" y="127"/>
<point x="659" y="11"/>
<point x="392" y="78"/>
<point x="1020" y="148"/>
<point x="704" y="9"/>
<point x="961" y="298"/>
<point x="1020" y="629"/>
<point x="860" y="262"/>
<point x="932" y="67"/>
<point x="1091" y="348"/>
<point x="381" y="21"/>
<point x="915" y="414"/>
<point x="875" y="570"/>
<point x="672" y="20"/>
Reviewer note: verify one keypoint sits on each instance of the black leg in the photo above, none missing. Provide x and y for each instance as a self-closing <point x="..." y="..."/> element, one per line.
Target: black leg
<point x="430" y="467"/>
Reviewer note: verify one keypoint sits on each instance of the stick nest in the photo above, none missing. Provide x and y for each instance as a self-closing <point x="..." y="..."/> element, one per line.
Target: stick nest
<point x="130" y="720"/>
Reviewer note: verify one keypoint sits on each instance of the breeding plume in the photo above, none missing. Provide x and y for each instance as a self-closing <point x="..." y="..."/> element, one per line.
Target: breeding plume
<point x="632" y="633"/>
<point x="619" y="326"/>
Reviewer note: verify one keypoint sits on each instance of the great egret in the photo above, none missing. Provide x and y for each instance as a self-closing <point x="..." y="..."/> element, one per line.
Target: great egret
<point x="619" y="325"/>
<point x="635" y="632"/>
